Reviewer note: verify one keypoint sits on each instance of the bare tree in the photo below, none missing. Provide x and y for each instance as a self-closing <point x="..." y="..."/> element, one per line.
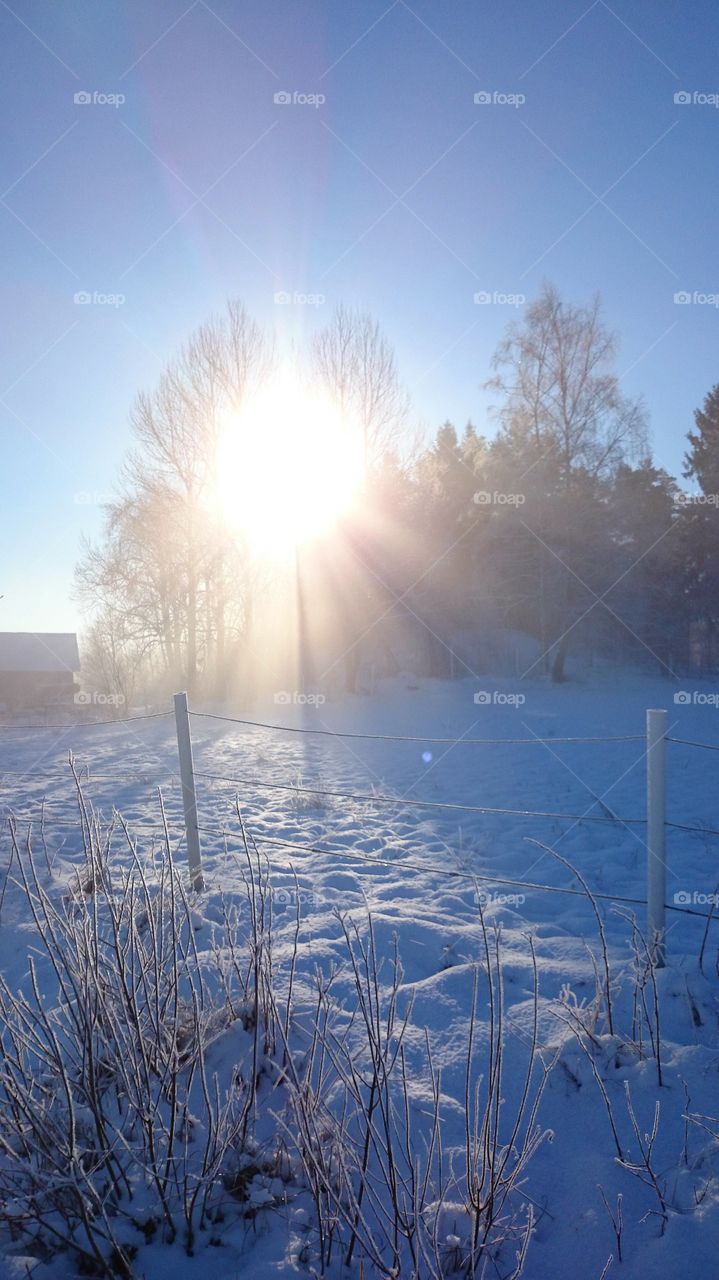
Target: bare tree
<point x="113" y="659"/>
<point x="135" y="574"/>
<point x="356" y="363"/>
<point x="162" y="565"/>
<point x="178" y="428"/>
<point x="563" y="409"/>
<point x="554" y="369"/>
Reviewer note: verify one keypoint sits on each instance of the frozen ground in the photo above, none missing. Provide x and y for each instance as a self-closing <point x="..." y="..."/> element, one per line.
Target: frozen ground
<point x="413" y="892"/>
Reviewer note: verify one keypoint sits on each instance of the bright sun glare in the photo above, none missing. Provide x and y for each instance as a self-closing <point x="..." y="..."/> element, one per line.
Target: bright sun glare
<point x="289" y="466"/>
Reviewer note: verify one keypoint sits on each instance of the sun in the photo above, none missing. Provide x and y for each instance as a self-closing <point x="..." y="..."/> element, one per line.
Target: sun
<point x="289" y="465"/>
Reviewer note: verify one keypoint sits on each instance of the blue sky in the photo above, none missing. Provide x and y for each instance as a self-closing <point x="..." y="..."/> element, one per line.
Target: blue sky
<point x="398" y="192"/>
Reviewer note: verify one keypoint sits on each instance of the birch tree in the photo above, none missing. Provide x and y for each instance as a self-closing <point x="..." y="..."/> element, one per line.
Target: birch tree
<point x="562" y="401"/>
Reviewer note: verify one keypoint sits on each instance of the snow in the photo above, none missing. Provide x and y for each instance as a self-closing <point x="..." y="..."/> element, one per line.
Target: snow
<point x="419" y="889"/>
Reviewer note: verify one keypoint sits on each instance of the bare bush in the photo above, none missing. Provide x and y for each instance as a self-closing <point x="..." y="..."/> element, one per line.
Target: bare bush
<point x="124" y="1118"/>
<point x="383" y="1188"/>
<point x="113" y="1124"/>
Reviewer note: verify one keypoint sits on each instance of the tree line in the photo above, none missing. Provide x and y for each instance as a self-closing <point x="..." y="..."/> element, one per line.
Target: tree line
<point x="548" y="536"/>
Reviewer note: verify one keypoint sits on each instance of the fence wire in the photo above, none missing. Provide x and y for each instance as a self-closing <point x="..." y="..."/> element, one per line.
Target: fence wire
<point x="417" y="804"/>
<point x="83" y="724"/>
<point x="402" y="737"/>
<point x="259" y="838"/>
<point x="143" y="825"/>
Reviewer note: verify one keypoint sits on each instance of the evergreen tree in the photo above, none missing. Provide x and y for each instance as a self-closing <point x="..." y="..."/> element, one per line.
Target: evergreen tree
<point x="700" y="532"/>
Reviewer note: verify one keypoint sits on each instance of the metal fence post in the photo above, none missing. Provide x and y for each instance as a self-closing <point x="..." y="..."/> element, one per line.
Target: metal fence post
<point x="189" y="799"/>
<point x="656" y="833"/>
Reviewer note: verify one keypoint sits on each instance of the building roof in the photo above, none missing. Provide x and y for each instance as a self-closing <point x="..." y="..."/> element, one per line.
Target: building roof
<point x="45" y="651"/>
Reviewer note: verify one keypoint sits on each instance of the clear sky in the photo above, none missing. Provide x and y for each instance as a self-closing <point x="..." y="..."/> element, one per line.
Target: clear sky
<point x="398" y="192"/>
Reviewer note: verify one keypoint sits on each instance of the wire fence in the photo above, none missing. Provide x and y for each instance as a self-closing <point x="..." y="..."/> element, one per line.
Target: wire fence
<point x="471" y="876"/>
<point x="402" y="737"/>
<point x="412" y="803"/>
<point x="686" y="742"/>
<point x="655" y="822"/>
<point x="87" y="775"/>
<point x="82" y="724"/>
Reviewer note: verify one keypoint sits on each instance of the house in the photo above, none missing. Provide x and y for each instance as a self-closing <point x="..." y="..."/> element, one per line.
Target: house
<point x="37" y="669"/>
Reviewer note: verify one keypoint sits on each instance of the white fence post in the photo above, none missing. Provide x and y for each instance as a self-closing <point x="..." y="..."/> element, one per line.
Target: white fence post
<point x="656" y="833"/>
<point x="189" y="799"/>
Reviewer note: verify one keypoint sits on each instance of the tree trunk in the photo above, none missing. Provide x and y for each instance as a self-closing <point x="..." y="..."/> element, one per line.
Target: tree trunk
<point x="560" y="658"/>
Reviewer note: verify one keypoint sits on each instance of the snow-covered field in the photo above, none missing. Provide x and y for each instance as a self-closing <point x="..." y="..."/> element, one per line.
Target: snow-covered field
<point x="412" y="868"/>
